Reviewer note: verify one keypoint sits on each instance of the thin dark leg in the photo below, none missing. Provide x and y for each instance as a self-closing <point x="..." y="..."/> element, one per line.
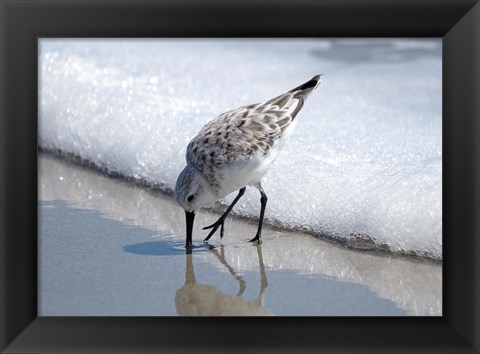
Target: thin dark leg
<point x="221" y="220"/>
<point x="263" y="201"/>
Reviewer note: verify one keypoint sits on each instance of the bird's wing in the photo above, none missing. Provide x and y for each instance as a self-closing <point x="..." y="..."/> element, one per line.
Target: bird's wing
<point x="248" y="130"/>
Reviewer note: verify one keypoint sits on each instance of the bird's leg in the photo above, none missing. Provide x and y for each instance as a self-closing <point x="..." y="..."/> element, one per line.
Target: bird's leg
<point x="221" y="220"/>
<point x="263" y="201"/>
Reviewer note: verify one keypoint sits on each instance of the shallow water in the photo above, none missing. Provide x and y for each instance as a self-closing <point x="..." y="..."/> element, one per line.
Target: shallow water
<point x="87" y="272"/>
<point x="109" y="248"/>
<point x="366" y="156"/>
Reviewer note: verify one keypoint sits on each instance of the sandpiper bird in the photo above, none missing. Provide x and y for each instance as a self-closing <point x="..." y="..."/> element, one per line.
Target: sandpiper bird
<point x="235" y="150"/>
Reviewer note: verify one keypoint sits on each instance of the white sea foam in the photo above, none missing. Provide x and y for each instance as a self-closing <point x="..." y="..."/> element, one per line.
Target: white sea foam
<point x="365" y="161"/>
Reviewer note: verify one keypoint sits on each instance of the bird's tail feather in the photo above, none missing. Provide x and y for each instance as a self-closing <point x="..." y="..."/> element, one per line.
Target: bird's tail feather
<point x="307" y="87"/>
<point x="299" y="93"/>
<point x="303" y="91"/>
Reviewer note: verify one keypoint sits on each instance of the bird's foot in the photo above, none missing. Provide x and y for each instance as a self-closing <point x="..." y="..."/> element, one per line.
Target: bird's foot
<point x="257" y="239"/>
<point x="188" y="248"/>
<point x="214" y="227"/>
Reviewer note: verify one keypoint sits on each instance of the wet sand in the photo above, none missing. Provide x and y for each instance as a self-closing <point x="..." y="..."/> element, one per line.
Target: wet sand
<point x="108" y="248"/>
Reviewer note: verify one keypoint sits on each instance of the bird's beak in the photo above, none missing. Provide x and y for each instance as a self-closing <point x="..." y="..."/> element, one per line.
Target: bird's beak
<point x="189" y="217"/>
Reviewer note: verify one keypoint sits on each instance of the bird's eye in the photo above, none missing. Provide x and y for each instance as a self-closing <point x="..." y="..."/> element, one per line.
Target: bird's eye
<point x="190" y="198"/>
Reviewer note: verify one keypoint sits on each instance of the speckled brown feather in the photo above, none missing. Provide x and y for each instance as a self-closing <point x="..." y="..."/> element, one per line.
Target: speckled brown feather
<point x="246" y="131"/>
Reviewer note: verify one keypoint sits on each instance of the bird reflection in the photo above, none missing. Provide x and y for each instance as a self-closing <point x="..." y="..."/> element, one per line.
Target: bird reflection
<point x="194" y="299"/>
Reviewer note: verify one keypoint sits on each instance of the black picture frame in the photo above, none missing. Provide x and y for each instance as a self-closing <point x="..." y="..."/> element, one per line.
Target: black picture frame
<point x="24" y="21"/>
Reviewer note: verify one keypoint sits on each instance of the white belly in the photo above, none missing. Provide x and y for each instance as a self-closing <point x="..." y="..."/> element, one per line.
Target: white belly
<point x="243" y="173"/>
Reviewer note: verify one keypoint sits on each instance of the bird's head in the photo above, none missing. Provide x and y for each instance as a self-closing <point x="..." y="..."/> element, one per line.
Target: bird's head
<point x="192" y="192"/>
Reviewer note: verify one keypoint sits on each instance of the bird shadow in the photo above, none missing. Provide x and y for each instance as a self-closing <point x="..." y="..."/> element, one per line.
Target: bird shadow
<point x="165" y="248"/>
<point x="197" y="299"/>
